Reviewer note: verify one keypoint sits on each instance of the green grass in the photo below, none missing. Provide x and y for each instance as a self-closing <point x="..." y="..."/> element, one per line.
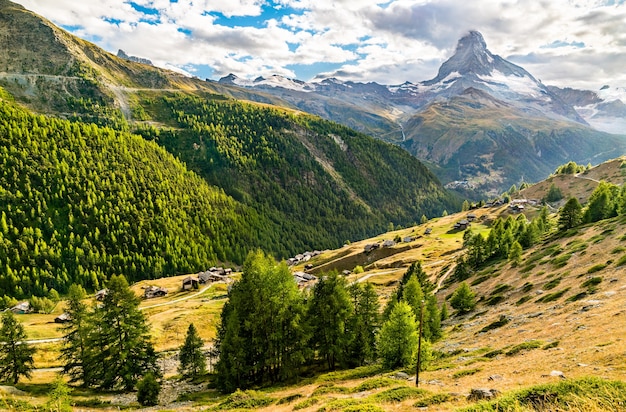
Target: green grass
<point x="465" y="372"/>
<point x="503" y="320"/>
<point x="375" y="383"/>
<point x="433" y="400"/>
<point x="398" y="394"/>
<point x="324" y="389"/>
<point x="550" y="345"/>
<point x="585" y="394"/>
<point x="289" y="399"/>
<point x="597" y="268"/>
<point x="245" y="400"/>
<point x="550" y="297"/>
<point x="577" y="296"/>
<point x="524" y="346"/>
<point x="356" y="373"/>
<point x="306" y="403"/>
<point x="591" y="282"/>
<point x="552" y="284"/>
<point x="561" y="261"/>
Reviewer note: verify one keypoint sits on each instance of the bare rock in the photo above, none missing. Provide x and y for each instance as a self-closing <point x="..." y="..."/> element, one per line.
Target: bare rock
<point x="495" y="378"/>
<point x="401" y="376"/>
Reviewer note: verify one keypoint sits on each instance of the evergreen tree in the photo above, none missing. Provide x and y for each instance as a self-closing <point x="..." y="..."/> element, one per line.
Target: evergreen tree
<point x="515" y="253"/>
<point x="191" y="357"/>
<point x="463" y="299"/>
<point x="16" y="358"/>
<point x="329" y="314"/>
<point x="432" y="320"/>
<point x="120" y="342"/>
<point x="570" y="215"/>
<point x="75" y="333"/>
<point x="466" y="206"/>
<point x="262" y="334"/>
<point x="601" y="204"/>
<point x="365" y="323"/>
<point x="398" y="338"/>
<point x="423" y="219"/>
<point x="413" y="295"/>
<point x="148" y="389"/>
<point x="444" y="311"/>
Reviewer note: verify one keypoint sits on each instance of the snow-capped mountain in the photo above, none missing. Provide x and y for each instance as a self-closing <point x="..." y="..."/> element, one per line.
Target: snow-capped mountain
<point x="604" y="109"/>
<point x="482" y="118"/>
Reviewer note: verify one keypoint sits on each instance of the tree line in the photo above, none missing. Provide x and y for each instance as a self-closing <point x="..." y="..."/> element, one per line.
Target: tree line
<point x="270" y="331"/>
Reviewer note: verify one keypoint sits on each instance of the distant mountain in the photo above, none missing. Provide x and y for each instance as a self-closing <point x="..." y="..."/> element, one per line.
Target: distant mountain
<point x="604" y="109"/>
<point x="482" y="119"/>
<point x="300" y="182"/>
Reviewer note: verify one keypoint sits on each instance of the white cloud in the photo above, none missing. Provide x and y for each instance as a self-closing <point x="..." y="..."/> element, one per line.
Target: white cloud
<point x="579" y="43"/>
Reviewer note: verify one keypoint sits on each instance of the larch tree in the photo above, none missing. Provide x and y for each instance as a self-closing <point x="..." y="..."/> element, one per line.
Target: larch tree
<point x="16" y="356"/>
<point x="191" y="357"/>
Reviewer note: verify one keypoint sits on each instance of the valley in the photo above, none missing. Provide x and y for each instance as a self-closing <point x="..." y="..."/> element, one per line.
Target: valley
<point x="479" y="216"/>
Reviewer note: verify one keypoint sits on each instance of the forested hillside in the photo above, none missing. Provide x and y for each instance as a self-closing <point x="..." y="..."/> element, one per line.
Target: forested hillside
<point x="322" y="183"/>
<point x="79" y="203"/>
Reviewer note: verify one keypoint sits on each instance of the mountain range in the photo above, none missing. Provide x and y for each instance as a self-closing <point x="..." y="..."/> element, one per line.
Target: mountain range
<point x="482" y="119"/>
<point x="242" y="176"/>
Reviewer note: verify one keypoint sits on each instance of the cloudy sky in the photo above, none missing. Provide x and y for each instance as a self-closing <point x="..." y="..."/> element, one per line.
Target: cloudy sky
<point x="577" y="43"/>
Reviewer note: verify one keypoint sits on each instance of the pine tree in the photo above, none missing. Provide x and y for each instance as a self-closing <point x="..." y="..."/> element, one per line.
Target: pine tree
<point x="123" y="332"/>
<point x="262" y="335"/>
<point x="571" y="214"/>
<point x="16" y="358"/>
<point x="330" y="310"/>
<point x="75" y="333"/>
<point x="191" y="357"/>
<point x="397" y="341"/>
<point x="515" y="253"/>
<point x="463" y="299"/>
<point x="364" y="323"/>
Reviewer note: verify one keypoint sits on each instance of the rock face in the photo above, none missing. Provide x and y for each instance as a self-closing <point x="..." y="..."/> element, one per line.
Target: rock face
<point x="122" y="55"/>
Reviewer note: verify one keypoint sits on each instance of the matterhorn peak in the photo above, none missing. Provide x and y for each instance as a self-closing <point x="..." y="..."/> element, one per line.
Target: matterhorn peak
<point x="472" y="41"/>
<point x="473" y="61"/>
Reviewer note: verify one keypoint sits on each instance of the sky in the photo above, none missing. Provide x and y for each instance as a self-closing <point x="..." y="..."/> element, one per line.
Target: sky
<point x="566" y="43"/>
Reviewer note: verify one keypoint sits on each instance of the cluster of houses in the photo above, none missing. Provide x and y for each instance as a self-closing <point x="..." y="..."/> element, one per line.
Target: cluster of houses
<point x="519" y="205"/>
<point x="303" y="279"/>
<point x="214" y="274"/>
<point x="464" y="223"/>
<point x="302" y="257"/>
<point x="373" y="246"/>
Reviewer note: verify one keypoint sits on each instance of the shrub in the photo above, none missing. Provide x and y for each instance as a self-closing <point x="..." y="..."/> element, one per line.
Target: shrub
<point x="245" y="400"/>
<point x="497" y="324"/>
<point x="368" y="407"/>
<point x="523" y="300"/>
<point x="552" y="296"/>
<point x="551" y="345"/>
<point x="148" y="390"/>
<point x="621" y="261"/>
<point x="358" y="269"/>
<point x="531" y="344"/>
<point x="552" y="284"/>
<point x="527" y="287"/>
<point x="289" y="399"/>
<point x="433" y="400"/>
<point x="494" y="300"/>
<point x="594" y="281"/>
<point x="465" y="372"/>
<point x="576" y="297"/>
<point x="398" y="394"/>
<point x="375" y="383"/>
<point x="597" y="268"/>
<point x="305" y="403"/>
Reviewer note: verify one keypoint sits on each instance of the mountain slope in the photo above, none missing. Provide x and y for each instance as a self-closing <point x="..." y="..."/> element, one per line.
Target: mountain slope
<point x="311" y="184"/>
<point x="80" y="203"/>
<point x="481" y="119"/>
